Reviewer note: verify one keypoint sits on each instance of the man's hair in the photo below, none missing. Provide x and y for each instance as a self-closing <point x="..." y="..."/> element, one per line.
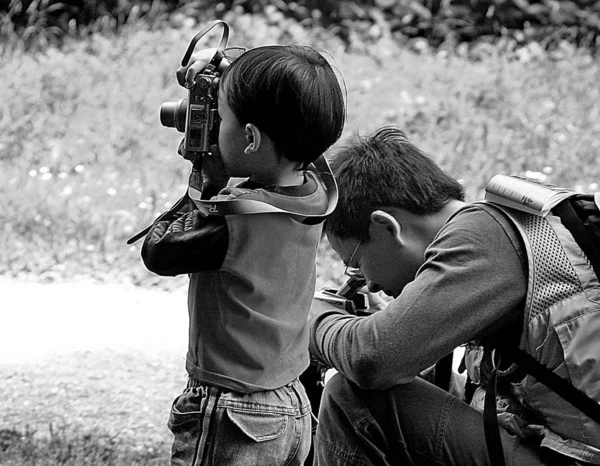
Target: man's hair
<point x="385" y="170"/>
<point x="292" y="94"/>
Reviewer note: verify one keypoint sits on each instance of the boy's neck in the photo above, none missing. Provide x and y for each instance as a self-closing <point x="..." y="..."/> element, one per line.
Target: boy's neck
<point x="270" y="168"/>
<point x="295" y="178"/>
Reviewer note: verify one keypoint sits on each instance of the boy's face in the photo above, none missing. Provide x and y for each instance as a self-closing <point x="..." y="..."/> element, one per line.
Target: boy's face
<point x="232" y="138"/>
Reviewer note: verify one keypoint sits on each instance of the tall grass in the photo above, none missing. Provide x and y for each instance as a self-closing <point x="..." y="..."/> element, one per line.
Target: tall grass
<point x="85" y="163"/>
<point x="64" y="447"/>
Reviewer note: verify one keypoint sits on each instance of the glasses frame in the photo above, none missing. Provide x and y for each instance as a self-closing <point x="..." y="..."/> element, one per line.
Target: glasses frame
<point x="350" y="271"/>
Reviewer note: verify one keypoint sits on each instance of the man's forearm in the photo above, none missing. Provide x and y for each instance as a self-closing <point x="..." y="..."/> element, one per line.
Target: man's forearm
<point x="337" y="341"/>
<point x="352" y="345"/>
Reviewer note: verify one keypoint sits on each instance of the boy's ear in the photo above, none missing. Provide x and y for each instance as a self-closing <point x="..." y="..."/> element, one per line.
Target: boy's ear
<point x="385" y="224"/>
<point x="253" y="137"/>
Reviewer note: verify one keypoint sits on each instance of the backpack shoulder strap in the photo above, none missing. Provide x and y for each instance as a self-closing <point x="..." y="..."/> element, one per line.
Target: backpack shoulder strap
<point x="581" y="216"/>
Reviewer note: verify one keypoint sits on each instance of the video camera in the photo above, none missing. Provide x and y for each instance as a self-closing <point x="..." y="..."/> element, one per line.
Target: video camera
<point x="197" y="115"/>
<point x="348" y="296"/>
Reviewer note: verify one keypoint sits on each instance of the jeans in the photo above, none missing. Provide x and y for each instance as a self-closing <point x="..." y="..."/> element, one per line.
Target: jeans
<point x="214" y="426"/>
<point x="410" y="424"/>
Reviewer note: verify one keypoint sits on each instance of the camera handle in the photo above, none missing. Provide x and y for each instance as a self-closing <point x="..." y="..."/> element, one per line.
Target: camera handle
<point x="220" y="48"/>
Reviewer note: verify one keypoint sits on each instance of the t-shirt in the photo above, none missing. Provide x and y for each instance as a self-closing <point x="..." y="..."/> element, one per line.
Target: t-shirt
<point x="252" y="280"/>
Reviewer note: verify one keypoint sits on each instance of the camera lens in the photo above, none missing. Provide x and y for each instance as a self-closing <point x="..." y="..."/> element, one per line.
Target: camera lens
<point x="173" y="114"/>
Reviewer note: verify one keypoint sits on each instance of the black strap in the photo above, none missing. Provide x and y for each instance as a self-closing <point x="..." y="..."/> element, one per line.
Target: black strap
<point x="202" y="33"/>
<point x="248" y="206"/>
<point x="491" y="429"/>
<point x="573" y="223"/>
<point x="542" y="374"/>
<point x="169" y="214"/>
<point x="443" y="372"/>
<point x="559" y="385"/>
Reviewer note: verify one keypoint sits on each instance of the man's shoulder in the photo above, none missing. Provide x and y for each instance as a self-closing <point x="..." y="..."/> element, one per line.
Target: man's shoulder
<point x="482" y="213"/>
<point x="489" y="222"/>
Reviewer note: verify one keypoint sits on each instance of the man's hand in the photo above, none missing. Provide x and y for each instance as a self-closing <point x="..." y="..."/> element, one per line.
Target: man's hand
<point x="376" y="302"/>
<point x="198" y="61"/>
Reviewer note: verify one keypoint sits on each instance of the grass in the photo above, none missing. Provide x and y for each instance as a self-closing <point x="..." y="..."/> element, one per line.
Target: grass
<point x="61" y="447"/>
<point x="84" y="163"/>
<point x="105" y="407"/>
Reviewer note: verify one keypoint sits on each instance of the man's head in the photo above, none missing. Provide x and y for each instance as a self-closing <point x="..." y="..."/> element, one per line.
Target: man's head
<point x="393" y="200"/>
<point x="289" y="93"/>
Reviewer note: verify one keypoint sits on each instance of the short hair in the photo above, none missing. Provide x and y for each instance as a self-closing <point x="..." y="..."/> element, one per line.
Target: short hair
<point x="385" y="170"/>
<point x="292" y="94"/>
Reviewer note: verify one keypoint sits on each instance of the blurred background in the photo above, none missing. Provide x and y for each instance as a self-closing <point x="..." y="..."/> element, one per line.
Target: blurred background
<point x="483" y="86"/>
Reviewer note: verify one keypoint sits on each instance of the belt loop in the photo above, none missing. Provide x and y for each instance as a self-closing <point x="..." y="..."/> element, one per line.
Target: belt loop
<point x="298" y="402"/>
<point x="191" y="383"/>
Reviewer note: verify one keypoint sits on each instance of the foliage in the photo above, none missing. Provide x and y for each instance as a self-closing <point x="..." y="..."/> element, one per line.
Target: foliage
<point x="84" y="162"/>
<point x="65" y="448"/>
<point x="549" y="22"/>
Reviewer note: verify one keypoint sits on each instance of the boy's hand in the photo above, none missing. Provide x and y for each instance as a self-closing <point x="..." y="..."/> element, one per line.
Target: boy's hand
<point x="214" y="172"/>
<point x="181" y="151"/>
<point x="198" y="61"/>
<point x="213" y="168"/>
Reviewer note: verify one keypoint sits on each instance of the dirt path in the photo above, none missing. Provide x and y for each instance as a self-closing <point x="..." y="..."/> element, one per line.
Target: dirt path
<point x="40" y="320"/>
<point x="43" y="320"/>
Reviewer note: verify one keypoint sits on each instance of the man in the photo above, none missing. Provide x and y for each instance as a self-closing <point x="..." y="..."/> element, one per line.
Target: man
<point x="458" y="273"/>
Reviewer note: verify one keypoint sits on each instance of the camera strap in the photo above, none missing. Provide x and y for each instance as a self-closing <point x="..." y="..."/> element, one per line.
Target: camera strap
<point x="202" y="33"/>
<point x="246" y="206"/>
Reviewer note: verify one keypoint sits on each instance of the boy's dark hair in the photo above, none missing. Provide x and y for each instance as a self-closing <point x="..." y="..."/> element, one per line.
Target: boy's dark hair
<point x="292" y="94"/>
<point x="385" y="170"/>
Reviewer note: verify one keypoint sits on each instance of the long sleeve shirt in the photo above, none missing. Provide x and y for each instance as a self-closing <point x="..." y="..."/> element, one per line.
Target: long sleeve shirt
<point x="472" y="285"/>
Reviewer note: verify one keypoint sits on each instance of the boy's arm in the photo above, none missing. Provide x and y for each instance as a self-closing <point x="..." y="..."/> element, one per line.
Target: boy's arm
<point x="187" y="242"/>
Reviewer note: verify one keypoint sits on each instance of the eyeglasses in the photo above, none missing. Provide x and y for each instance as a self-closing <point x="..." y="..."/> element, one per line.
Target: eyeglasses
<point x="354" y="270"/>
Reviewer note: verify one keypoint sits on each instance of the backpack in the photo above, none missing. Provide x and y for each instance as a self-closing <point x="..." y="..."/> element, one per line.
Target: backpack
<point x="580" y="214"/>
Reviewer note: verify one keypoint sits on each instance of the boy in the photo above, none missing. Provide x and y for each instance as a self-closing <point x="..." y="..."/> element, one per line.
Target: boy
<point x="252" y="276"/>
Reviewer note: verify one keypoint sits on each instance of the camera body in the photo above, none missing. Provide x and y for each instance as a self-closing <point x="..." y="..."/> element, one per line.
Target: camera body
<point x="348" y="296"/>
<point x="197" y="115"/>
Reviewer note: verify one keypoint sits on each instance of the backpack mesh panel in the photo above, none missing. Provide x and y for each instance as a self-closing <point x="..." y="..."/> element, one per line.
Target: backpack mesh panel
<point x="555" y="279"/>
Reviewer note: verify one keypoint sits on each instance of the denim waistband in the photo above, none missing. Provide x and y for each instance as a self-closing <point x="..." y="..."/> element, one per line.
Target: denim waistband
<point x="192" y="382"/>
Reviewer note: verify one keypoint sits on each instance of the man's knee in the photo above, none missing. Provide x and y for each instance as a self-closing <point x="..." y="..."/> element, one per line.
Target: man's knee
<point x="334" y="390"/>
<point x="335" y="385"/>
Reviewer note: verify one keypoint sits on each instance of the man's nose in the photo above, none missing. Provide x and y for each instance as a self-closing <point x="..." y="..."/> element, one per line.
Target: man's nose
<point x="373" y="287"/>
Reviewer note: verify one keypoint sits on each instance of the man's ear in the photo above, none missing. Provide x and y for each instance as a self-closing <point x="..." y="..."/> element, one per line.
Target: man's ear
<point x="253" y="137"/>
<point x="385" y="224"/>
